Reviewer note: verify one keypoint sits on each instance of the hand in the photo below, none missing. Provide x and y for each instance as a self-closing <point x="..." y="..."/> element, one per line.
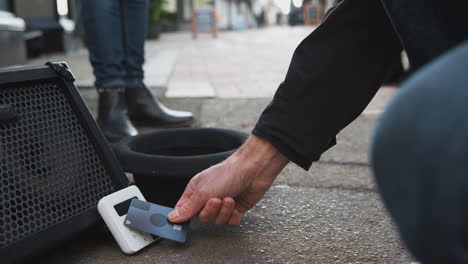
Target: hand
<point x="223" y="193"/>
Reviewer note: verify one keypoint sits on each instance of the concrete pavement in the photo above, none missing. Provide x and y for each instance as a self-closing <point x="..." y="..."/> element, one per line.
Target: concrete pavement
<point x="330" y="214"/>
<point x="248" y="64"/>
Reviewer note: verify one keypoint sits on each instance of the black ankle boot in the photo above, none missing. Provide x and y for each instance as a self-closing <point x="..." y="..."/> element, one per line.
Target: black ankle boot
<point x="146" y="110"/>
<point x="113" y="115"/>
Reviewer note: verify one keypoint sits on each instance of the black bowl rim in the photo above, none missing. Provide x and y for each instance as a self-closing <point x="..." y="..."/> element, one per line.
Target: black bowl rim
<point x="142" y="163"/>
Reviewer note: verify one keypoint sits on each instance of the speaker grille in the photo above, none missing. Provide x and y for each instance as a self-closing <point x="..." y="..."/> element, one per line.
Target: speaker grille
<point x="49" y="169"/>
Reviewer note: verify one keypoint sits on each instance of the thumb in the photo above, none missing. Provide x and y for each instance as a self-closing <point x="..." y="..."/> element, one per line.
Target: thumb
<point x="187" y="210"/>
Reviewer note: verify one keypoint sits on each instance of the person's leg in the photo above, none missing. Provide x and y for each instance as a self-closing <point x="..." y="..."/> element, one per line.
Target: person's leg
<point x="134" y="26"/>
<point x="419" y="157"/>
<point x="102" y="22"/>
<point x="143" y="108"/>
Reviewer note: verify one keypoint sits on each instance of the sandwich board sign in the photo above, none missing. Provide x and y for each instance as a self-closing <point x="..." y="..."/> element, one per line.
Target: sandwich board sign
<point x="204" y="20"/>
<point x="313" y="12"/>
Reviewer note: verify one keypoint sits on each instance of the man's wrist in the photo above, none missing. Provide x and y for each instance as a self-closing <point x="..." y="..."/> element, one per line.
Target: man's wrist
<point x="257" y="155"/>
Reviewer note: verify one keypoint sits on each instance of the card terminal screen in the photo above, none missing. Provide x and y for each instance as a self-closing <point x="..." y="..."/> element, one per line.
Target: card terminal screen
<point x="122" y="208"/>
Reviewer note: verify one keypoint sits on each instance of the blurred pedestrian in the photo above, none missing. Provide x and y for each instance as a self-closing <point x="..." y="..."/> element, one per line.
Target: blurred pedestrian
<point x="115" y="36"/>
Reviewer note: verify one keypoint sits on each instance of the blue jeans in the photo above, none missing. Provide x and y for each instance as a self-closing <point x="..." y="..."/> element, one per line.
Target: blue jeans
<point x="115" y="33"/>
<point x="420" y="159"/>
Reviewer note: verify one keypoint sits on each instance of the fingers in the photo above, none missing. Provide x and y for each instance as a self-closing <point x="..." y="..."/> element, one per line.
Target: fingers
<point x="237" y="214"/>
<point x="235" y="219"/>
<point x="225" y="212"/>
<point x="217" y="212"/>
<point x="188" y="209"/>
<point x="210" y="211"/>
<point x="189" y="203"/>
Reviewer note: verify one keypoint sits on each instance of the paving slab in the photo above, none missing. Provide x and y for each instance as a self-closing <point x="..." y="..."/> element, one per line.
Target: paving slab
<point x="238" y="114"/>
<point x="329" y="176"/>
<point x="187" y="89"/>
<point x="158" y="68"/>
<point x="247" y="64"/>
<point x="352" y="143"/>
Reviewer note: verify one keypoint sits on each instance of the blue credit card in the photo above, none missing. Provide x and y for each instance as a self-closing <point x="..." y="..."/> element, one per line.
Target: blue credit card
<point x="152" y="218"/>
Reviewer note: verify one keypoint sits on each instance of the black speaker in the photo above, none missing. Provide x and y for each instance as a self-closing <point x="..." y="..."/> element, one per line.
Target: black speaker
<point x="55" y="164"/>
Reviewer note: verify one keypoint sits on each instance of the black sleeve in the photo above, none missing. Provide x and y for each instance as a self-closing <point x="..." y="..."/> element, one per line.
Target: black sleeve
<point x="333" y="75"/>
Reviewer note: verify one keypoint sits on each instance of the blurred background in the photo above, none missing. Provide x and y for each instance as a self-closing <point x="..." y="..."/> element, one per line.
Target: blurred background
<point x="195" y="48"/>
<point x="33" y="28"/>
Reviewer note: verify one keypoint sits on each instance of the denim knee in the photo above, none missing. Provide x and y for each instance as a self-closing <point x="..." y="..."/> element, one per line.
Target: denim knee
<point x="418" y="156"/>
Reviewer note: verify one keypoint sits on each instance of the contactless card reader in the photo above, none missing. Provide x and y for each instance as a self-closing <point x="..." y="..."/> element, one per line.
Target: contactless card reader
<point x="113" y="209"/>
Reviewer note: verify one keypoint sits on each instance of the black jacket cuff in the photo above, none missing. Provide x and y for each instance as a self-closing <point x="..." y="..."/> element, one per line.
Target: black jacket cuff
<point x="286" y="150"/>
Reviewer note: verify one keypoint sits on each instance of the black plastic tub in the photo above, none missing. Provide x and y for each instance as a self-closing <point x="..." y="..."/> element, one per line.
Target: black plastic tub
<point x="163" y="162"/>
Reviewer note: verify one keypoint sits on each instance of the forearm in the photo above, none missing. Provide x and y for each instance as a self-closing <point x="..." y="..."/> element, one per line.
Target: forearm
<point x="333" y="75"/>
